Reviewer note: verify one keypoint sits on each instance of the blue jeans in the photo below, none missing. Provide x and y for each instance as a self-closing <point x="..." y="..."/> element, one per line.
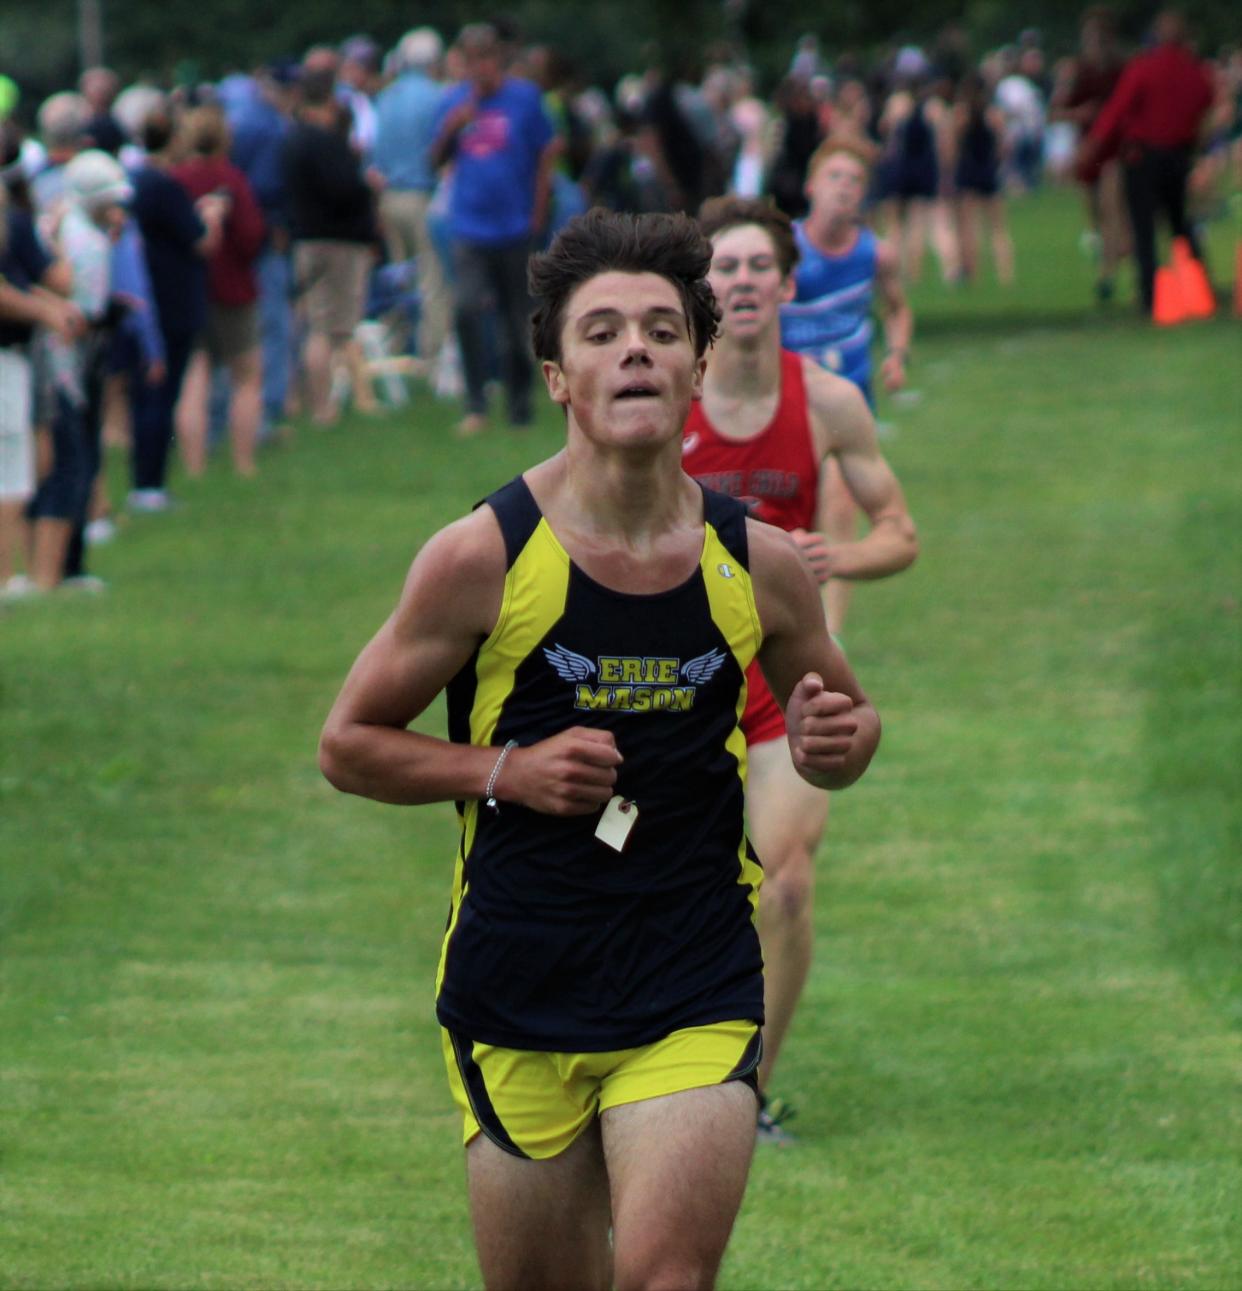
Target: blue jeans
<point x="153" y="408"/>
<point x="491" y="291"/>
<point x="275" y="274"/>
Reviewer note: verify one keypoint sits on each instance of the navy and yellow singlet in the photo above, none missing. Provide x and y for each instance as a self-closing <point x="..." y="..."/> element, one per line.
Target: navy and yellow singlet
<point x="555" y="941"/>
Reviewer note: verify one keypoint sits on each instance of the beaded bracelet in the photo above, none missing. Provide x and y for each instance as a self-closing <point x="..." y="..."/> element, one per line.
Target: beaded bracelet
<point x="490" y="792"/>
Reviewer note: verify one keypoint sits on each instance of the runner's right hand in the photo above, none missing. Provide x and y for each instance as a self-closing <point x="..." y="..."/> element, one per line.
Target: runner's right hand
<point x="570" y="774"/>
<point x="815" y="551"/>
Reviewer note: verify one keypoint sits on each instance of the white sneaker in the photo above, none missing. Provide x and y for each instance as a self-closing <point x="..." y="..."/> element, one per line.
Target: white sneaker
<point x="100" y="531"/>
<point x="90" y="584"/>
<point x="148" y="501"/>
<point x="447" y="381"/>
<point x="19" y="588"/>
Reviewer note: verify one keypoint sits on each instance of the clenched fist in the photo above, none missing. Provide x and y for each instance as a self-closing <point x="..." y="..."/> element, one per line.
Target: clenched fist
<point x="821" y="726"/>
<point x="570" y="774"/>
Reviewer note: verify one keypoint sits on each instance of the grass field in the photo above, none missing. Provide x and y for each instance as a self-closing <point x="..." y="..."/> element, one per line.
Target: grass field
<point x="1019" y="1062"/>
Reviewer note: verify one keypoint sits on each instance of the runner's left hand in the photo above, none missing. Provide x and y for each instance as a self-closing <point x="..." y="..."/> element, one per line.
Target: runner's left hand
<point x="821" y="726"/>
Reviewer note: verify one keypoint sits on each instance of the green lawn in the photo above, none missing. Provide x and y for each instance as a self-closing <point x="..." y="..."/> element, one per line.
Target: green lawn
<point x="1019" y="1062"/>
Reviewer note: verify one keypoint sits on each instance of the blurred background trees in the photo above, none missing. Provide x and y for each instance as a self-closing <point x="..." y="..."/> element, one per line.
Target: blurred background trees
<point x="41" y="48"/>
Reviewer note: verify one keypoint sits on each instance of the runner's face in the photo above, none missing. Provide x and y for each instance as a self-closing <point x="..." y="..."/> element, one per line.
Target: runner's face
<point x="747" y="280"/>
<point x="628" y="370"/>
<point x="837" y="187"/>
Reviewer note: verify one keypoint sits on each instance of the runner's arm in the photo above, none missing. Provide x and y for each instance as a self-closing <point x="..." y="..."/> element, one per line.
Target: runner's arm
<point x="833" y="729"/>
<point x="897" y="314"/>
<point x="843" y="421"/>
<point x="449" y="605"/>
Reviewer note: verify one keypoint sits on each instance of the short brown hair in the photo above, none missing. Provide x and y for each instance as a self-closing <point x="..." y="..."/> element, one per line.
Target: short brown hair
<point x="859" y="149"/>
<point x="720" y="213"/>
<point x="605" y="242"/>
<point x="206" y="131"/>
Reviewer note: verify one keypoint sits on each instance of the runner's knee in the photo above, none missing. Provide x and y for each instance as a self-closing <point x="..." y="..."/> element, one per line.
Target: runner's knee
<point x="787" y="887"/>
<point x="680" y="1272"/>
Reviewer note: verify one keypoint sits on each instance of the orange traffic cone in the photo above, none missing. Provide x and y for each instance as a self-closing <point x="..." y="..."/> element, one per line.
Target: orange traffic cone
<point x="1198" y="299"/>
<point x="1168" y="308"/>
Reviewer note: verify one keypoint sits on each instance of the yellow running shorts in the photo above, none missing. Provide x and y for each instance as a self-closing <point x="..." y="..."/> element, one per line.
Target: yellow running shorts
<point x="534" y="1104"/>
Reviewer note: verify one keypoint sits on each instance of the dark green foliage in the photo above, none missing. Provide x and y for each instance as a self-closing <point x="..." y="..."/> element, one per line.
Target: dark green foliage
<point x="207" y="38"/>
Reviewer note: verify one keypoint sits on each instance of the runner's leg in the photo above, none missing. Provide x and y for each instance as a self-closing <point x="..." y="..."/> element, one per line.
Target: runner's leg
<point x="787" y="818"/>
<point x="541" y="1225"/>
<point x="677" y="1166"/>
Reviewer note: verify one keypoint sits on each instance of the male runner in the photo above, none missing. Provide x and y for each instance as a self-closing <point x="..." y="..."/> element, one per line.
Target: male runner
<point x="841" y="266"/>
<point x="768" y="423"/>
<point x="600" y="984"/>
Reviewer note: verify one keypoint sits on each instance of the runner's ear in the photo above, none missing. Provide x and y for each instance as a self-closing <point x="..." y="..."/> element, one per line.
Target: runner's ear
<point x="554" y="378"/>
<point x="700" y="367"/>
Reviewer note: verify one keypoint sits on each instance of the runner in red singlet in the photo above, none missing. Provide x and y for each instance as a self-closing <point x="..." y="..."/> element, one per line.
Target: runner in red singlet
<point x="768" y="421"/>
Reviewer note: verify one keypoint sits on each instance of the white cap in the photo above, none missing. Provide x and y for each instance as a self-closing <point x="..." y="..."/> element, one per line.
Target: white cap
<point x="97" y="180"/>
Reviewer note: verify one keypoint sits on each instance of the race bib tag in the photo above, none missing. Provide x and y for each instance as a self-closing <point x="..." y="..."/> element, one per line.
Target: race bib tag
<point x="615" y="824"/>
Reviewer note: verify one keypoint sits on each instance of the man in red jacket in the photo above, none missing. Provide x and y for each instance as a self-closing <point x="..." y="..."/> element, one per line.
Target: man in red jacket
<point x="1154" y="115"/>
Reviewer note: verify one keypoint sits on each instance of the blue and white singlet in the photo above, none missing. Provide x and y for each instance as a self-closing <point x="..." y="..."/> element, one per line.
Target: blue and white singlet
<point x="829" y="318"/>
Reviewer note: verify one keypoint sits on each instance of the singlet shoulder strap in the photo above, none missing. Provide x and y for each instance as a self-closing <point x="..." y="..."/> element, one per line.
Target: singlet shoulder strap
<point x="728" y="517"/>
<point x="517" y="513"/>
<point x="793" y="383"/>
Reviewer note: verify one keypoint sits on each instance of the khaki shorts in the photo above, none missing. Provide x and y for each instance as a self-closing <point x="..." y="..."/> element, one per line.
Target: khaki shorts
<point x="535" y="1104"/>
<point x="17" y="470"/>
<point x="331" y="280"/>
<point x="232" y="330"/>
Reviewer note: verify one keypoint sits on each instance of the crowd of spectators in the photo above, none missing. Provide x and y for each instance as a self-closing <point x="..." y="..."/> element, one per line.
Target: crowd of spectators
<point x="192" y="266"/>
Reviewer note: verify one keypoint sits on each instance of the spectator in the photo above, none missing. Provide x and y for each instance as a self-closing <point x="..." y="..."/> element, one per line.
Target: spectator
<point x="851" y="111"/>
<point x="99" y="87"/>
<point x="979" y="131"/>
<point x="495" y="131"/>
<point x="552" y="73"/>
<point x="913" y="126"/>
<point x="1078" y="101"/>
<point x="92" y="211"/>
<point x="260" y="123"/>
<point x="674" y="145"/>
<point x="357" y="78"/>
<point x="333" y="224"/>
<point x="1018" y="96"/>
<point x="176" y="240"/>
<point x="800" y="136"/>
<point x="1154" y="116"/>
<point x="133" y="106"/>
<point x="231" y="338"/>
<point x="24" y="264"/>
<point x="136" y="358"/>
<point x="62" y="123"/>
<point x="407" y="113"/>
<point x="751" y="122"/>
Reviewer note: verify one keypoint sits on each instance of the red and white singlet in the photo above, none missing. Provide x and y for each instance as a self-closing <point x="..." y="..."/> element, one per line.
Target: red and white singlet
<point x="776" y="474"/>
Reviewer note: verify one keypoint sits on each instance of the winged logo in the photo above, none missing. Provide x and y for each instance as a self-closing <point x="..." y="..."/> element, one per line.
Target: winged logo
<point x="702" y="668"/>
<point x="569" y="665"/>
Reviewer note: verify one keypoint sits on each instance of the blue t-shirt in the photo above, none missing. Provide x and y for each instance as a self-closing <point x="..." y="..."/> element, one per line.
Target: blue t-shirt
<point x="407" y="115"/>
<point x="496" y="162"/>
<point x="259" y="133"/>
<point x="22" y="264"/>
